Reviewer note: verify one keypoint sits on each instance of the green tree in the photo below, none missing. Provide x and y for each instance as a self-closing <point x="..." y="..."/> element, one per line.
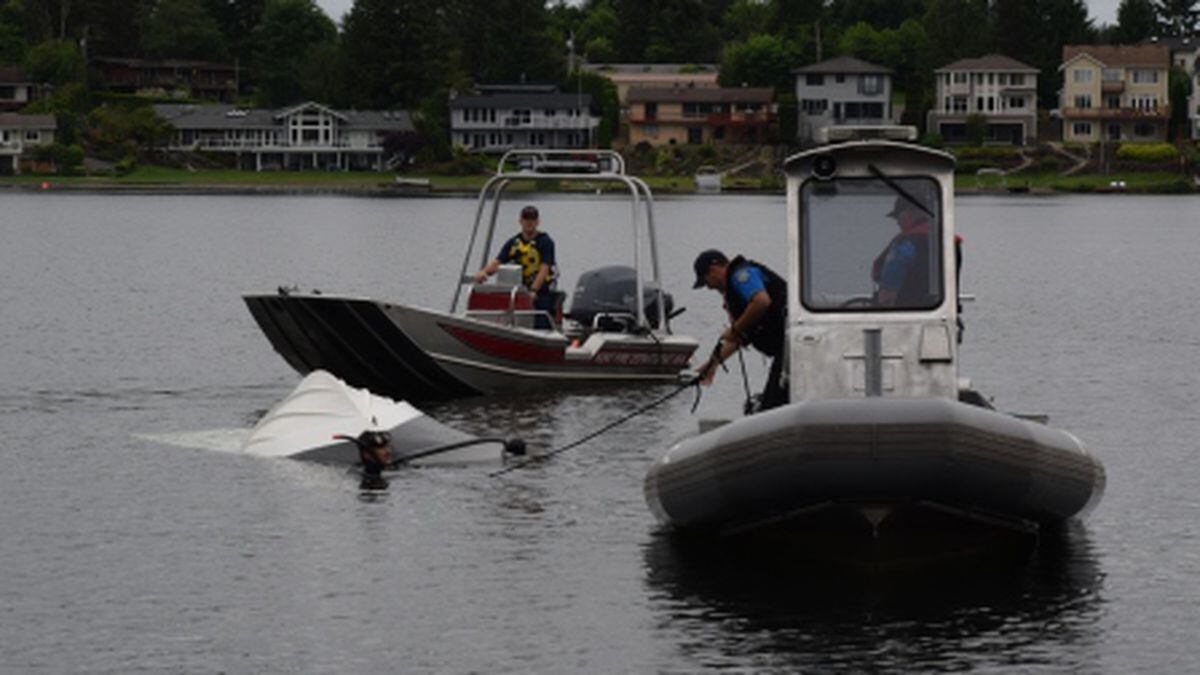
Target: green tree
<point x="116" y="132"/>
<point x="601" y="23"/>
<point x="881" y="14"/>
<point x="238" y="20"/>
<point x="55" y="62"/>
<point x="744" y="19"/>
<point x="506" y="41"/>
<point x="284" y="43"/>
<point x="761" y="61"/>
<point x="1136" y="21"/>
<point x="666" y="31"/>
<point x="396" y="51"/>
<point x="1177" y="18"/>
<point x="1179" y="89"/>
<point x="1011" y="22"/>
<point x="604" y="101"/>
<point x="13" y="45"/>
<point x="183" y="29"/>
<point x="957" y="29"/>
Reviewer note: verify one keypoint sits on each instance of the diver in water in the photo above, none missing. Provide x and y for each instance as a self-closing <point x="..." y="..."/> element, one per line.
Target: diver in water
<point x="375" y="453"/>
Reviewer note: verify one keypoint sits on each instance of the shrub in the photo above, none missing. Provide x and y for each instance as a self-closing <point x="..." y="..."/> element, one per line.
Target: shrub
<point x="1147" y="152"/>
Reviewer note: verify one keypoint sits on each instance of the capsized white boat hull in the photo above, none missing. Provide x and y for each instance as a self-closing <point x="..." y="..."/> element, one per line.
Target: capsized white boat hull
<point x="303" y="426"/>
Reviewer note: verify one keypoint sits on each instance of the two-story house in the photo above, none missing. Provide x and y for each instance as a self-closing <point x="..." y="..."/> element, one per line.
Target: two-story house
<point x="1115" y="92"/>
<point x="166" y="77"/>
<point x="522" y="117"/>
<point x="1185" y="55"/>
<point x="1000" y="89"/>
<point x="841" y="91"/>
<point x="19" y="134"/>
<point x="17" y="90"/>
<point x="701" y="115"/>
<point x="626" y="76"/>
<point x="305" y="136"/>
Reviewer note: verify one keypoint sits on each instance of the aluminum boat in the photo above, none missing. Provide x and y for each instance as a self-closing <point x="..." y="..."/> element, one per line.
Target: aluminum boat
<point x="617" y="328"/>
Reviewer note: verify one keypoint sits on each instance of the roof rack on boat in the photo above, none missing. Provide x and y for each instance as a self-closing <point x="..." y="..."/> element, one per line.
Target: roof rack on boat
<point x="584" y="166"/>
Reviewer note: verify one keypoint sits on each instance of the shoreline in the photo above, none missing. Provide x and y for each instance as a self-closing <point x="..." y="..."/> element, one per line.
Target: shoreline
<point x="664" y="187"/>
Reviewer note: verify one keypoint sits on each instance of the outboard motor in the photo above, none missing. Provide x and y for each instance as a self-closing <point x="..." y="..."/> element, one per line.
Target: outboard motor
<point x="613" y="291"/>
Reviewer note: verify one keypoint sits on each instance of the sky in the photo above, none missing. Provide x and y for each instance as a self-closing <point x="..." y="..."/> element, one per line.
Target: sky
<point x="1101" y="11"/>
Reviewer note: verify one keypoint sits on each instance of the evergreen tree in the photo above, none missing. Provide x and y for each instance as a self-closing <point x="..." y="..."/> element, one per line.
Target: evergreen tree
<point x="957" y="29"/>
<point x="506" y="41"/>
<point x="1177" y="18"/>
<point x="183" y="29"/>
<point x="396" y="51"/>
<point x="293" y="37"/>
<point x="1136" y="21"/>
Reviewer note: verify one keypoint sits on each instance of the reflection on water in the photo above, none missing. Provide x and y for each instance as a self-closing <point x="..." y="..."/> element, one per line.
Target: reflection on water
<point x="744" y="604"/>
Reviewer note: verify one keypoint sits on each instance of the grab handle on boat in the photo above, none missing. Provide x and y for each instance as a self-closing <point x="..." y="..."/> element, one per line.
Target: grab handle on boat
<point x="873" y="361"/>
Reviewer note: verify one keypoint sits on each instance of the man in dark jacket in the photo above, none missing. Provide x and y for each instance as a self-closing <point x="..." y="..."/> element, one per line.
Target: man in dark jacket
<point x="756" y="299"/>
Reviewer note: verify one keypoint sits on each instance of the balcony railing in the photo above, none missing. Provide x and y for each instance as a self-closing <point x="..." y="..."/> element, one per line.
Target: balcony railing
<point x="1160" y="113"/>
<point x="247" y="144"/>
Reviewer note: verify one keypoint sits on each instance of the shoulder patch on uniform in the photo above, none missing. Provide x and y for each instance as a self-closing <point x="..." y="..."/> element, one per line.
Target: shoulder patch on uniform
<point x="742" y="276"/>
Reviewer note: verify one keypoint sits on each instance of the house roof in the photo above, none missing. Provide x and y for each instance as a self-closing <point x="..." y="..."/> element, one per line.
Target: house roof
<point x="1154" y="56"/>
<point x="992" y="62"/>
<point x="702" y="95"/>
<point x="223" y="116"/>
<point x="19" y="121"/>
<point x="13" y="75"/>
<point x="651" y="68"/>
<point x="843" y="65"/>
<point x="1175" y="44"/>
<point x="160" y="63"/>
<point x="554" y="101"/>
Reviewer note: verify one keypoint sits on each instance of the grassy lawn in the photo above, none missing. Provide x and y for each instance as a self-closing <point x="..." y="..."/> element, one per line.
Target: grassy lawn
<point x="1149" y="182"/>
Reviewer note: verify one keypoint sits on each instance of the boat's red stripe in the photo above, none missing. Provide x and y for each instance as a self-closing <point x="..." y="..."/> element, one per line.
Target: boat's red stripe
<point x="505" y="348"/>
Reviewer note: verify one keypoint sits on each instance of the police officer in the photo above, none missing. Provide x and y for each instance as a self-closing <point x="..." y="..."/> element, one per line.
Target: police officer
<point x="756" y="299"/>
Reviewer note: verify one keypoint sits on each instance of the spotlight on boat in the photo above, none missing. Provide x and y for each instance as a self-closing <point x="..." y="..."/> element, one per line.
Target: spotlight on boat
<point x="824" y="167"/>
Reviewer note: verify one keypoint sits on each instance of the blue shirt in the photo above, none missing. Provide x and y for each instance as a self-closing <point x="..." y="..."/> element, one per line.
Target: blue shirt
<point x="896" y="264"/>
<point x="747" y="281"/>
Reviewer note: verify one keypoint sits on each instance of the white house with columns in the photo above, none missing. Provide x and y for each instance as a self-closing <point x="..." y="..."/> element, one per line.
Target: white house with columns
<point x="302" y="137"/>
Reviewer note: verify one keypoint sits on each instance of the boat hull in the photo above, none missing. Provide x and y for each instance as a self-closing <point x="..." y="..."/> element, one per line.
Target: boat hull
<point x="419" y="354"/>
<point x="876" y="479"/>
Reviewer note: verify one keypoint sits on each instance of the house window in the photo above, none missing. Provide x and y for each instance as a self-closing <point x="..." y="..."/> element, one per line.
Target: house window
<point x="1083" y="100"/>
<point x="1081" y="75"/>
<point x="979" y="104"/>
<point x="1145" y="77"/>
<point x="1112" y="101"/>
<point x="991" y="100"/>
<point x="1002" y="78"/>
<point x="814" y="106"/>
<point x="991" y="78"/>
<point x="840" y="78"/>
<point x="1143" y="129"/>
<point x="695" y="136"/>
<point x="1018" y="79"/>
<point x="1082" y="128"/>
<point x="814" y="80"/>
<point x="960" y="78"/>
<point x="33" y="135"/>
<point x="870" y="85"/>
<point x="958" y="104"/>
<point x="1110" y="75"/>
<point x="651" y="111"/>
<point x="1016" y="102"/>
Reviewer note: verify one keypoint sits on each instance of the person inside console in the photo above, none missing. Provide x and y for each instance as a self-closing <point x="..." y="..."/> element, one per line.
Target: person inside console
<point x="534" y="252"/>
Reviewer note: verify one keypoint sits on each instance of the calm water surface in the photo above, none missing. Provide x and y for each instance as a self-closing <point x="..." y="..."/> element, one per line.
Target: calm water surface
<point x="126" y="547"/>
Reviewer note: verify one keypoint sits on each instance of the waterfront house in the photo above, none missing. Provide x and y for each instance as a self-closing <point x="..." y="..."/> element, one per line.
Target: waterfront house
<point x="701" y="115"/>
<point x="628" y="76"/>
<point x="1185" y="55"/>
<point x="166" y="78"/>
<point x="507" y="117"/>
<point x="17" y="89"/>
<point x="305" y="136"/>
<point x="19" y="135"/>
<point x="1115" y="92"/>
<point x="841" y="91"/>
<point x="998" y="88"/>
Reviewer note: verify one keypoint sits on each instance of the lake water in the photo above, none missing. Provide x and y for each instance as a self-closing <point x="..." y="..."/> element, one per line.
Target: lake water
<point x="126" y="547"/>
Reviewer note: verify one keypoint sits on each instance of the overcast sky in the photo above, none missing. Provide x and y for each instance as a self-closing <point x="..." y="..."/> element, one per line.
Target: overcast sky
<point x="1102" y="11"/>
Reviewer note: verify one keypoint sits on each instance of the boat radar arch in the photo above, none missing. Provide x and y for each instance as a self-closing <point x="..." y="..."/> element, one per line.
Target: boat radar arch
<point x="873" y="274"/>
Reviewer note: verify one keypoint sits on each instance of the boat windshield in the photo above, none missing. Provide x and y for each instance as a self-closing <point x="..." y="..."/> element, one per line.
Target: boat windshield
<point x="871" y="243"/>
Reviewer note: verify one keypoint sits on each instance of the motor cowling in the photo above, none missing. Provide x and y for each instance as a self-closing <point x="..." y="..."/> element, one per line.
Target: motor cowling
<point x="613" y="290"/>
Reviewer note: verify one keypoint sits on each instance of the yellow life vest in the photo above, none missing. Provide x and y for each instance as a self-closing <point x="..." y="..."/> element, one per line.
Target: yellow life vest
<point x="529" y="258"/>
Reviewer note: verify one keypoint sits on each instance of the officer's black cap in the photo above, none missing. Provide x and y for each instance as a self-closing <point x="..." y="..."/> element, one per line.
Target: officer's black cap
<point x="705" y="260"/>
